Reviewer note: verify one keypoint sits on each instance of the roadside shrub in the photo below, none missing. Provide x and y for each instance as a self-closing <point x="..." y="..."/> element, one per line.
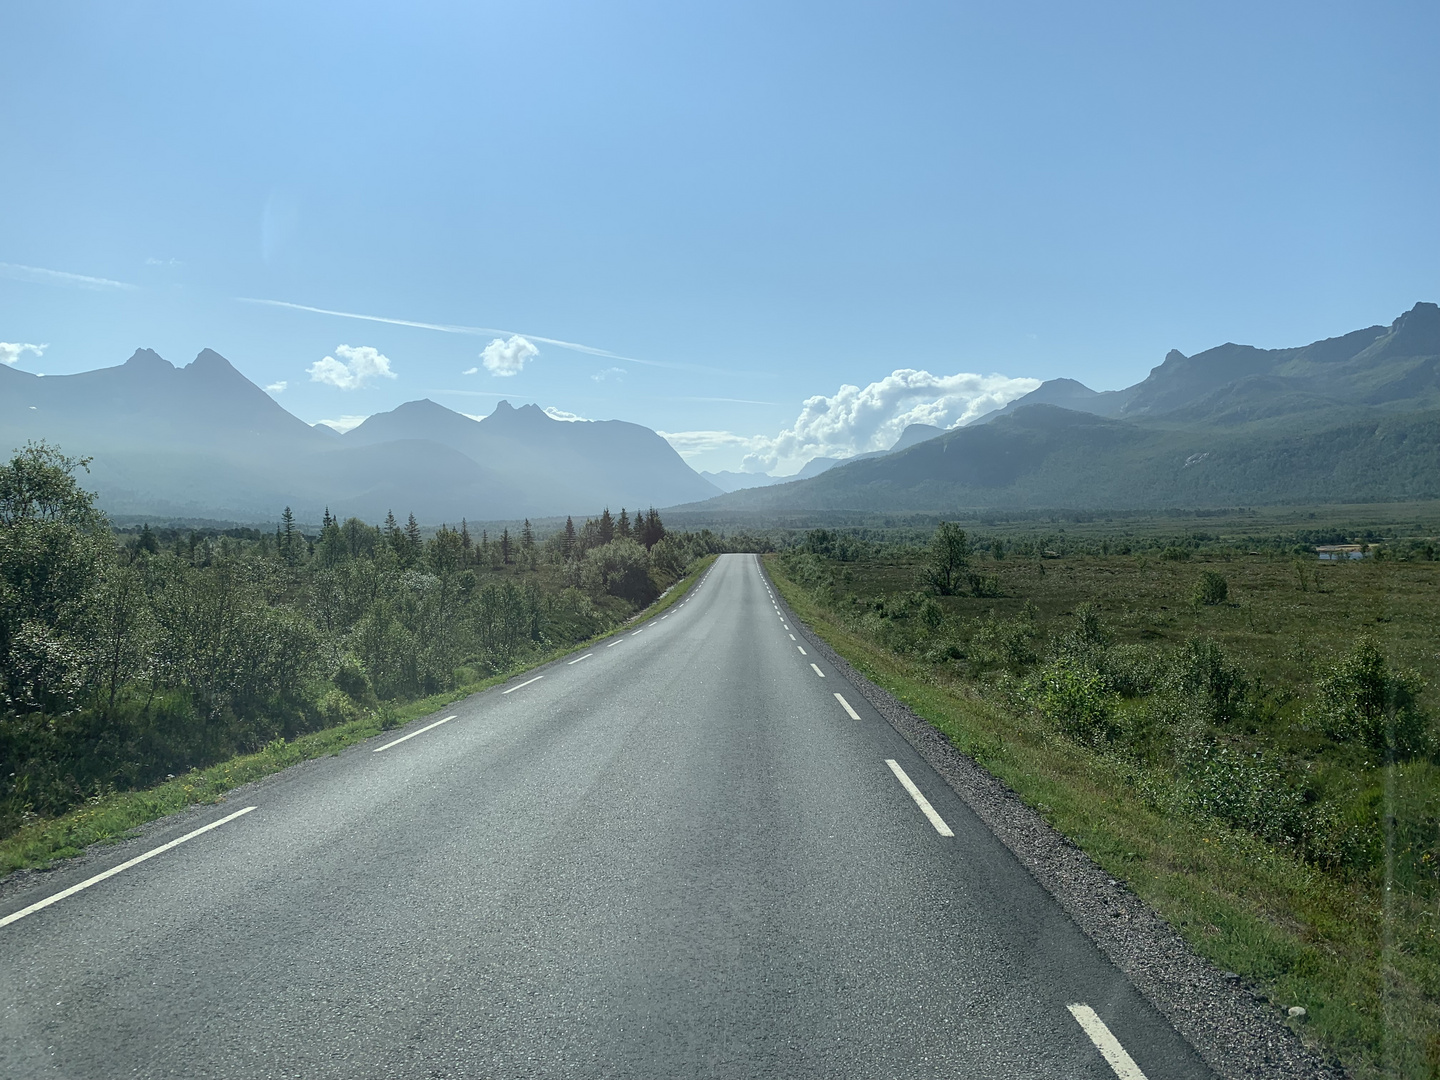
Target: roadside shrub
<point x="1134" y="670"/>
<point x="1362" y="699"/>
<point x="1009" y="643"/>
<point x="1211" y="589"/>
<point x="1250" y="792"/>
<point x="1175" y="554"/>
<point x="1204" y="669"/>
<point x="1075" y="698"/>
<point x="983" y="585"/>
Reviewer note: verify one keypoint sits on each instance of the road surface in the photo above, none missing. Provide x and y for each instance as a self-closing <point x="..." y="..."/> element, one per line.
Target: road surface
<point x="692" y="851"/>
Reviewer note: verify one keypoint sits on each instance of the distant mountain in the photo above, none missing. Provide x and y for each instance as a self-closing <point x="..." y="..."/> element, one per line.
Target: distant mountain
<point x="1353" y="418"/>
<point x="726" y="480"/>
<point x="204" y="441"/>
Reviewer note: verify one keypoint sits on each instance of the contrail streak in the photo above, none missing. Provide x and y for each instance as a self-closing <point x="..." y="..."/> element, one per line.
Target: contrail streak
<point x="451" y="328"/>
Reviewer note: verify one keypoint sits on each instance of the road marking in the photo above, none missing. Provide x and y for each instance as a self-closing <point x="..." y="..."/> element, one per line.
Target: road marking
<point x="664" y="617"/>
<point x="919" y="797"/>
<point x="640" y="631"/>
<point x="785" y="625"/>
<point x="524" y="684"/>
<point x="412" y="734"/>
<point x="802" y="650"/>
<point x="73" y="889"/>
<point x="1109" y="1046"/>
<point x="579" y="658"/>
<point x="817" y="670"/>
<point x="792" y="637"/>
<point x="846" y="706"/>
<point x="614" y="643"/>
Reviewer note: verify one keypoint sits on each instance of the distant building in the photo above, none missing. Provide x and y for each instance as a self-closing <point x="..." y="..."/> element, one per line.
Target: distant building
<point x="1340" y="551"/>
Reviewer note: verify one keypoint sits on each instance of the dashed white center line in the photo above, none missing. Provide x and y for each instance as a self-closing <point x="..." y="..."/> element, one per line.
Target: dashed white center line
<point x="817" y="670"/>
<point x="664" y="617"/>
<point x="846" y="706"/>
<point x="802" y="650"/>
<point x="1109" y="1046"/>
<point x="579" y="658"/>
<point x="918" y="796"/>
<point x="16" y="916"/>
<point x="524" y="684"/>
<point x="614" y="643"/>
<point x="792" y="637"/>
<point x="640" y="631"/>
<point x="412" y="734"/>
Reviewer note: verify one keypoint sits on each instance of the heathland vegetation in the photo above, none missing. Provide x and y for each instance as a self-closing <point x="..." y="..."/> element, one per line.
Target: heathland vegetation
<point x="1244" y="732"/>
<point x="129" y="656"/>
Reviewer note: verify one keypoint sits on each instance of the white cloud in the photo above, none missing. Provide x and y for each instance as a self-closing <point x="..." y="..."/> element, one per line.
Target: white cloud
<point x="561" y="414"/>
<point x="11" y="351"/>
<point x="277" y="387"/>
<point x="345" y="423"/>
<point x="357" y="367"/>
<point x="38" y="274"/>
<point x="471" y="371"/>
<point x="507" y="357"/>
<point x="855" y="421"/>
<point x="609" y="373"/>
<point x="692" y="444"/>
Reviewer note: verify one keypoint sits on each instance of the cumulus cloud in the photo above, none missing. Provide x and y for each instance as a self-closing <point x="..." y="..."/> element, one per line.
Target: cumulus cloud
<point x="11" y="351"/>
<point x="345" y="423"/>
<point x="471" y="371"/>
<point x="357" y="367"/>
<point x="692" y="444"/>
<point x="277" y="387"/>
<point x="608" y="373"/>
<point x="508" y="356"/>
<point x="856" y="420"/>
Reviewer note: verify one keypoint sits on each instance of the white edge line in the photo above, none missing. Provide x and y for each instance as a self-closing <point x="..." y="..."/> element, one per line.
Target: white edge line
<point x="522" y="686"/>
<point x="817" y="669"/>
<point x="1105" y="1041"/>
<point x="412" y="734"/>
<point x="846" y="706"/>
<point x="73" y="889"/>
<point x="579" y="658"/>
<point x="919" y="797"/>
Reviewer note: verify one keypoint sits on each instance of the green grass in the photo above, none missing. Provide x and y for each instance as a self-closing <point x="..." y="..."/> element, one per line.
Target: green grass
<point x="1363" y="962"/>
<point x="114" y="817"/>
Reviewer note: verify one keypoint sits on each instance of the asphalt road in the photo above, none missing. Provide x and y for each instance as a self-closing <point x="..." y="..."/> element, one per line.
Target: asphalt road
<point x="676" y="856"/>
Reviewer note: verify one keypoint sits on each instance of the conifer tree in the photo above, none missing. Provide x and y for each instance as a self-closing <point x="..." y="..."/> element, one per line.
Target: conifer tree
<point x="392" y="532"/>
<point x="289" y="550"/>
<point x="465" y="543"/>
<point x="607" y="526"/>
<point x="414" y="545"/>
<point x="505" y="547"/>
<point x="567" y="544"/>
<point x="527" y="537"/>
<point x="147" y="541"/>
<point x="622" y="526"/>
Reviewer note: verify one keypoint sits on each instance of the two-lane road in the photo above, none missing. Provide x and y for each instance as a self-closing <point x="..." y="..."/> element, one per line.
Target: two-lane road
<point x="692" y="851"/>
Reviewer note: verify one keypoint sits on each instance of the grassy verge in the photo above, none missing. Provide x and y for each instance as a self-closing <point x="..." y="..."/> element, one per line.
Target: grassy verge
<point x="116" y="816"/>
<point x="1354" y="960"/>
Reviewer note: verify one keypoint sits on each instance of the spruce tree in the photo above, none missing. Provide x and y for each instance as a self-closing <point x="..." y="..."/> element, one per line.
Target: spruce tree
<point x="607" y="526"/>
<point x="147" y="541"/>
<point x="392" y="533"/>
<point x="622" y="526"/>
<point x="527" y="537"/>
<point x="414" y="545"/>
<point x="505" y="547"/>
<point x="289" y="551"/>
<point x="567" y="544"/>
<point x="465" y="538"/>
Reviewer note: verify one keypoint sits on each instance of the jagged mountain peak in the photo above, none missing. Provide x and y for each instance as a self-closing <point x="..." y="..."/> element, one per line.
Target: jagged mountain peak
<point x="148" y="360"/>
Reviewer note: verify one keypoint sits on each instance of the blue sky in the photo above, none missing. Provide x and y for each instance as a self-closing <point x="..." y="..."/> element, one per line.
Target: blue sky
<point x="734" y="208"/>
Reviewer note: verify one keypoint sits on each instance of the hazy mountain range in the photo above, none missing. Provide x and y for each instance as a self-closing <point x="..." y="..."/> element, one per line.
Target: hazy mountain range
<point x="204" y="441"/>
<point x="1352" y="418"/>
